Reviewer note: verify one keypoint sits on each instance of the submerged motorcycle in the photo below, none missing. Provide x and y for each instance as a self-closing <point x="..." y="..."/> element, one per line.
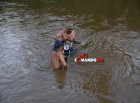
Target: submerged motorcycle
<point x="69" y="50"/>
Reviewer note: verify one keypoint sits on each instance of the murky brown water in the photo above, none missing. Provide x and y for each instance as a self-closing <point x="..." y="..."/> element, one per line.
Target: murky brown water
<point x="109" y="29"/>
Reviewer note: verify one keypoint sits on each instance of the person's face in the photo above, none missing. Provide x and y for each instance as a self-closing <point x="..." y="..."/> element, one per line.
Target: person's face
<point x="69" y="31"/>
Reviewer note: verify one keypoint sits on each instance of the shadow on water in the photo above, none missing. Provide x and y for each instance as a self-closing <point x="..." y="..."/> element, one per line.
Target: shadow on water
<point x="60" y="76"/>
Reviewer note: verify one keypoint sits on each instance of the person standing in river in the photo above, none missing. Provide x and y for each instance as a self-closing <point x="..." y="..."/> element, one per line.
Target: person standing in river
<point x="57" y="58"/>
<point x="67" y="34"/>
<point x="64" y="34"/>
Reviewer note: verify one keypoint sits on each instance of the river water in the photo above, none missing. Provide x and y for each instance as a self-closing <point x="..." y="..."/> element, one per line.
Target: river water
<point x="107" y="28"/>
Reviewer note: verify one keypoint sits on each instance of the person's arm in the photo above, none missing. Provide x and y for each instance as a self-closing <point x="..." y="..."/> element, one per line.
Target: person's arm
<point x="58" y="35"/>
<point x="63" y="60"/>
<point x="74" y="37"/>
<point x="73" y="34"/>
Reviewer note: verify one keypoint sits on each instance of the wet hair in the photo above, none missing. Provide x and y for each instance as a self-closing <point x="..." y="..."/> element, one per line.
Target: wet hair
<point x="69" y="31"/>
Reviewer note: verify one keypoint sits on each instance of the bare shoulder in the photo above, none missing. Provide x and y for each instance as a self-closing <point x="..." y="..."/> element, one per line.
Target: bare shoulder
<point x="59" y="54"/>
<point x="62" y="31"/>
<point x="73" y="32"/>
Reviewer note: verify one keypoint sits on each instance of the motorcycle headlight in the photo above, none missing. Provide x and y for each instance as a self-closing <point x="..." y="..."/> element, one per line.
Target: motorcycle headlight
<point x="66" y="47"/>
